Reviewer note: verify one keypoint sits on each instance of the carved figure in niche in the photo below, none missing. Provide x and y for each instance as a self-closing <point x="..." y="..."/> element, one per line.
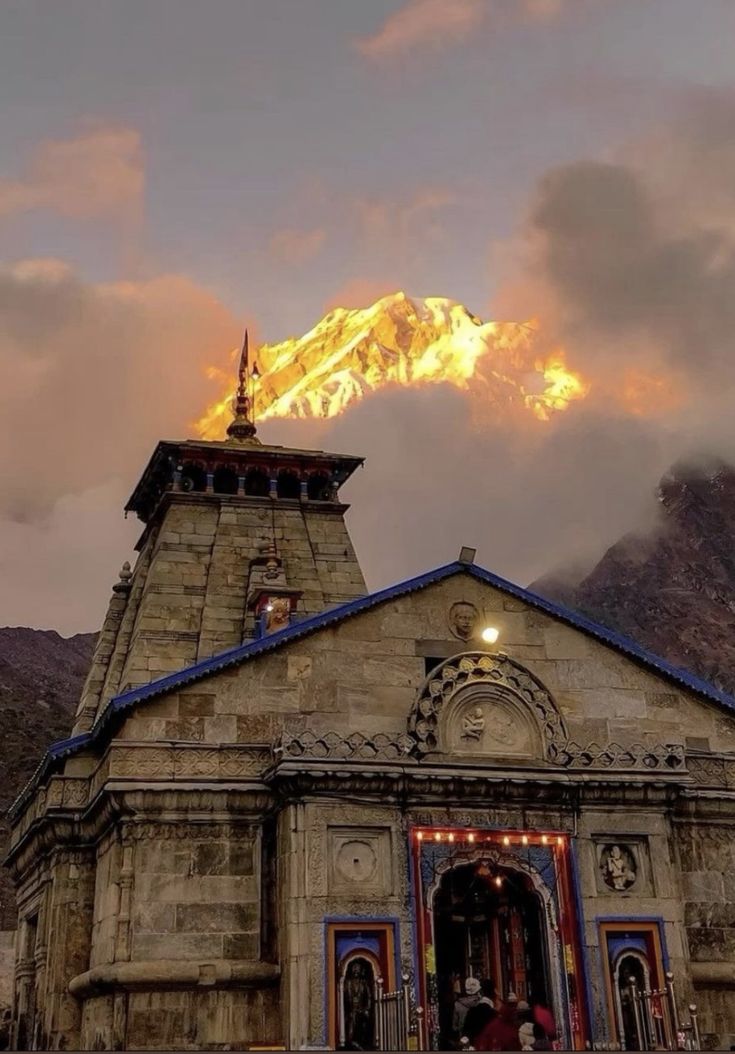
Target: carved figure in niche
<point x="359" y="1006"/>
<point x="619" y="869"/>
<point x="279" y="615"/>
<point x="473" y="724"/>
<point x="463" y="619"/>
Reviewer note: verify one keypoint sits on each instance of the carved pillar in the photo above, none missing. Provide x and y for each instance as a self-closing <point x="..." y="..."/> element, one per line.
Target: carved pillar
<point x="70" y="909"/>
<point x="40" y="954"/>
<point x="123" y="936"/>
<point x="25" y="986"/>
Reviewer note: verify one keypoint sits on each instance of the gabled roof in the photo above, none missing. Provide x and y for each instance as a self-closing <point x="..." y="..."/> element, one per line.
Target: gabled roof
<point x="235" y="656"/>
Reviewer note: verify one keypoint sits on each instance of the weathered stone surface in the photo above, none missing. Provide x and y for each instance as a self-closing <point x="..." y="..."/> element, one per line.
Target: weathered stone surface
<point x="233" y="818"/>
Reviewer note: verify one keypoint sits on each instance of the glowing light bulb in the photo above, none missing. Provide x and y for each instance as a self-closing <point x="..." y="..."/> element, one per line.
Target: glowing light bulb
<point x="506" y="840"/>
<point x="498" y="881"/>
<point x="559" y="840"/>
<point x="490" y="634"/>
<point x="437" y="836"/>
<point x="544" y="839"/>
<point x="450" y="837"/>
<point x="420" y="836"/>
<point x="470" y="837"/>
<point x="524" y="839"/>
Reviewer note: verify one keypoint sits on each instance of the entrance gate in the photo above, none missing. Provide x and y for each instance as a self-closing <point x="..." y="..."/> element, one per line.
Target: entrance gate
<point x="499" y="906"/>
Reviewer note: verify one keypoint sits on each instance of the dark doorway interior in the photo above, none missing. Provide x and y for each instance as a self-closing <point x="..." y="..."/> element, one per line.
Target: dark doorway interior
<point x="488" y="929"/>
<point x="630" y="966"/>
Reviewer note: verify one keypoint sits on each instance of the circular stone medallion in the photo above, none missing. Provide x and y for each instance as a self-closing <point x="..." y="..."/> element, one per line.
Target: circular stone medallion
<point x="356" y="861"/>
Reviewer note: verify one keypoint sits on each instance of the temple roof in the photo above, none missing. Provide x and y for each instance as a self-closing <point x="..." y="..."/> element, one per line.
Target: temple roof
<point x="236" y="656"/>
<point x="155" y="475"/>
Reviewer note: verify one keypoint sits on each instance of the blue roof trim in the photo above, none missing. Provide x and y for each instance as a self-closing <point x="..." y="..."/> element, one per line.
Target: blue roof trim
<point x="327" y="618"/>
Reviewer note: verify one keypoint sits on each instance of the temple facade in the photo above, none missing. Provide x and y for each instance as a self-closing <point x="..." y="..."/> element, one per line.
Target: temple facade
<point x="284" y="796"/>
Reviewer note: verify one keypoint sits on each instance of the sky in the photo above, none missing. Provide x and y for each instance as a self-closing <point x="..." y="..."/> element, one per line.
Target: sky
<point x="173" y="170"/>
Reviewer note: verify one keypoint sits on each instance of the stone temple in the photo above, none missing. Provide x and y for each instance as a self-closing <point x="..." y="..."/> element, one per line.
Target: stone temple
<point x="285" y="797"/>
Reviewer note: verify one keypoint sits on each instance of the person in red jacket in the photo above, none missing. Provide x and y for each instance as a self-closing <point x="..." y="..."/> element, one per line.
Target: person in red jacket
<point x="502" y="1032"/>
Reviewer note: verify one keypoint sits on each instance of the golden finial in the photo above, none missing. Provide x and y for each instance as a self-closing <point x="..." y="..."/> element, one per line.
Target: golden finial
<point x="242" y="427"/>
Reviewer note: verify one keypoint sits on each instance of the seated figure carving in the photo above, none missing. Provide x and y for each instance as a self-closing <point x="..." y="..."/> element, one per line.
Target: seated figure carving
<point x="490" y="727"/>
<point x="473" y="724"/>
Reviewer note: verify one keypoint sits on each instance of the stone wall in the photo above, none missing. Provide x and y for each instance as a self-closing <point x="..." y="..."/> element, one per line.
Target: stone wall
<point x="187" y="596"/>
<point x="197" y="893"/>
<point x="706" y="852"/>
<point x="318" y="883"/>
<point x="363" y="675"/>
<point x="7" y="967"/>
<point x="179" y="930"/>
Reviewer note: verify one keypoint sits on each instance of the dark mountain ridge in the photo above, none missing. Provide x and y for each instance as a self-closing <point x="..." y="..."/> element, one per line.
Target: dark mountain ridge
<point x="672" y="588"/>
<point x="41" y="676"/>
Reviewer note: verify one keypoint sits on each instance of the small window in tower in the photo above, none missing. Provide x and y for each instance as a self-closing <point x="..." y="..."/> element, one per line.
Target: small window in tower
<point x="225" y="480"/>
<point x="289" y="485"/>
<point x="193" y="477"/>
<point x="257" y="484"/>
<point x="319" y="487"/>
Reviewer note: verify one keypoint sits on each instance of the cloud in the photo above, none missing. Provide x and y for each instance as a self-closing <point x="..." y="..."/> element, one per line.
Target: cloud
<point x="295" y="247"/>
<point x="359" y="293"/>
<point x="94" y="374"/>
<point x="97" y="173"/>
<point x="404" y="222"/>
<point x="629" y="264"/>
<point x="430" y="24"/>
<point x="433" y="25"/>
<point x="57" y="573"/>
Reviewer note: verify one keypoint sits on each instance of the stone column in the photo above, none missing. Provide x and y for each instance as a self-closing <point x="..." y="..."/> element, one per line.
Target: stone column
<point x="294" y="941"/>
<point x="70" y="910"/>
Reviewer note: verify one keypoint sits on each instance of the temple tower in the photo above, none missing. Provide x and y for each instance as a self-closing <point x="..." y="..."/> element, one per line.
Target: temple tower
<point x="239" y="539"/>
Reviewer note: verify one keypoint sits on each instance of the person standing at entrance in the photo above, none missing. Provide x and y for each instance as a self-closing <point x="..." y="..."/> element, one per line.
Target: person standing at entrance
<point x="463" y="1004"/>
<point x="502" y="1032"/>
<point x="477" y="1018"/>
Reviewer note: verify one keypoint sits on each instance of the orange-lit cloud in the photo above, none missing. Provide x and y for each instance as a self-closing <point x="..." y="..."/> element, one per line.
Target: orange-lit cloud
<point x="295" y="247"/>
<point x="358" y="293"/>
<point x="432" y="25"/>
<point x="97" y="173"/>
<point x="94" y="373"/>
<point x="428" y="24"/>
<point x="418" y="215"/>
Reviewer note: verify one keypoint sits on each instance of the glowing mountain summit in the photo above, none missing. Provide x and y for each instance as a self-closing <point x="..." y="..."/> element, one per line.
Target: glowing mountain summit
<point x="405" y="342"/>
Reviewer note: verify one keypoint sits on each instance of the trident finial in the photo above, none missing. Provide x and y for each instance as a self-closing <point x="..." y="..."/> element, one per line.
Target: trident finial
<point x="242" y="426"/>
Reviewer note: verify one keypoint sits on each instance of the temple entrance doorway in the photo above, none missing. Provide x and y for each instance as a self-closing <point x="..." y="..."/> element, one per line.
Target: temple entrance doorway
<point x="488" y="924"/>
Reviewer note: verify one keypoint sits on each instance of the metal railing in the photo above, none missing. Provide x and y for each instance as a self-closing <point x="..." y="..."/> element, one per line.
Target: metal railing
<point x="658" y="1023"/>
<point x="399" y="1023"/>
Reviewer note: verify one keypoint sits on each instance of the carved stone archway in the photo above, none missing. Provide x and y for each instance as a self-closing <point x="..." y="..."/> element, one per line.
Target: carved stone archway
<point x="503" y="678"/>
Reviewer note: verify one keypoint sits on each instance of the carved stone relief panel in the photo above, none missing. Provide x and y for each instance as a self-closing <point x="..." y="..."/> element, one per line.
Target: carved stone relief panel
<point x="505" y="690"/>
<point x="359" y="860"/>
<point x="623" y="866"/>
<point x="482" y="722"/>
<point x="463" y="620"/>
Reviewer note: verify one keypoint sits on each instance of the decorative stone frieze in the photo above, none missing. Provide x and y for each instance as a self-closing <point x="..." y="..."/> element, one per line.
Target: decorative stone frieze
<point x="503" y="679"/>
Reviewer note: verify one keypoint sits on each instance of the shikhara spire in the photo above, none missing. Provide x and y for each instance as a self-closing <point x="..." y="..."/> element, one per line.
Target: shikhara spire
<point x="242" y="427"/>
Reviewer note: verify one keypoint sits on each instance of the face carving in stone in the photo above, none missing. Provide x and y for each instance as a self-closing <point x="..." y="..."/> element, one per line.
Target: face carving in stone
<point x="618" y="866"/>
<point x="463" y="619"/>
